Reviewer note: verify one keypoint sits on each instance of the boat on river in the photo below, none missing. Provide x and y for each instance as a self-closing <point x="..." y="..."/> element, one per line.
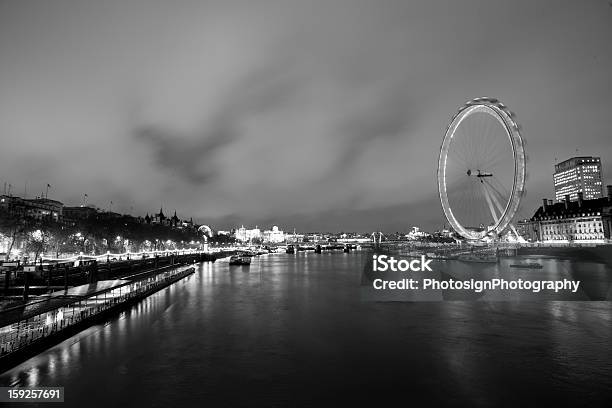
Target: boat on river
<point x="240" y="260"/>
<point x="527" y="265"/>
<point x="478" y="258"/>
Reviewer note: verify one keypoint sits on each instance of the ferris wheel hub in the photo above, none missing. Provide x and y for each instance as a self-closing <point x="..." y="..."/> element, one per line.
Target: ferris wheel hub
<point x="484" y="174"/>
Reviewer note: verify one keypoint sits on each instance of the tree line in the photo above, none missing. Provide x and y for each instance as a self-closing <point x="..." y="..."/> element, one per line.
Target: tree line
<point x="95" y="235"/>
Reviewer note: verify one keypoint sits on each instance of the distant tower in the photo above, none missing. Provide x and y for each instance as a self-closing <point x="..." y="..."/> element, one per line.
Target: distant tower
<point x="578" y="174"/>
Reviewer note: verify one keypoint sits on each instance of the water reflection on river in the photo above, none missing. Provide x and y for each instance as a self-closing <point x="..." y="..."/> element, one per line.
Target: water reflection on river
<point x="293" y="330"/>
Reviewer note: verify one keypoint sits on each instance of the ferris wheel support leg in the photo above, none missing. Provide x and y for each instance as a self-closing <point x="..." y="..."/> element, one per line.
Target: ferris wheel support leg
<point x="515" y="231"/>
<point x="494" y="197"/>
<point x="489" y="202"/>
<point x="499" y="207"/>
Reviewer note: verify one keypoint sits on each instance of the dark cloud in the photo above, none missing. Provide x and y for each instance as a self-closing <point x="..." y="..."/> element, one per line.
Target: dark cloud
<point x="192" y="156"/>
<point x="394" y="116"/>
<point x="191" y="159"/>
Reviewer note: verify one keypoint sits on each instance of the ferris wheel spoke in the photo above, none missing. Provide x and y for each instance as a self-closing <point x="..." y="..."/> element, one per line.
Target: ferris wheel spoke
<point x="465" y="156"/>
<point x="498" y="188"/>
<point x="460" y="157"/>
<point x="492" y="154"/>
<point x="502" y="189"/>
<point x="467" y="126"/>
<point x="495" y="166"/>
<point x="485" y="137"/>
<point x="498" y="156"/>
<point x="462" y="147"/>
<point x="483" y="144"/>
<point x="498" y="146"/>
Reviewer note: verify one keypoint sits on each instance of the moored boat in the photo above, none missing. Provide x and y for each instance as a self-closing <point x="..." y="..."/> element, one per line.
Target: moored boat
<point x="240" y="260"/>
<point x="480" y="258"/>
<point x="527" y="265"/>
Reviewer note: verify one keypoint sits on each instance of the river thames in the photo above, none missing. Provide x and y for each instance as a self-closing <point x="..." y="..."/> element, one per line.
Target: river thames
<point x="294" y="330"/>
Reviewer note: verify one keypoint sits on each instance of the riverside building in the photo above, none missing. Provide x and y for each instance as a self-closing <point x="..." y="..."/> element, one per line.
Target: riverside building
<point x="274" y="235"/>
<point x="581" y="221"/>
<point x="38" y="208"/>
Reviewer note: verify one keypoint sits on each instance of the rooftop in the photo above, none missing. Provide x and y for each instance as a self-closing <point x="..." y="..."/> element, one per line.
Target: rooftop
<point x="573" y="161"/>
<point x="574" y="208"/>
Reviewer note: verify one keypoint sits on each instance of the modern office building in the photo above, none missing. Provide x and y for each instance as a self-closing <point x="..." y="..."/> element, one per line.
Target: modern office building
<point x="578" y="174"/>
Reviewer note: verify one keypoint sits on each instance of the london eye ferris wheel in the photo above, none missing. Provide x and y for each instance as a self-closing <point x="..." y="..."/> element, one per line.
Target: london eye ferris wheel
<point x="481" y="169"/>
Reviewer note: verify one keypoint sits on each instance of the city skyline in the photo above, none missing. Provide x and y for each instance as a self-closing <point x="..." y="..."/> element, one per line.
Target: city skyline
<point x="326" y="117"/>
<point x="398" y="228"/>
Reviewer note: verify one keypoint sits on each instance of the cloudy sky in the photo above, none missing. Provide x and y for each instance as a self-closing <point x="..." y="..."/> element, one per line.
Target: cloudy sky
<point x="319" y="115"/>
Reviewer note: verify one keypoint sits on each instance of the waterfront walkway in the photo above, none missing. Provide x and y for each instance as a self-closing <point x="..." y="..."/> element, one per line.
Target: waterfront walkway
<point x="25" y="325"/>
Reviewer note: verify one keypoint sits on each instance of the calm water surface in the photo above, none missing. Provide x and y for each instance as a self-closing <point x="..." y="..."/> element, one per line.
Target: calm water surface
<point x="293" y="330"/>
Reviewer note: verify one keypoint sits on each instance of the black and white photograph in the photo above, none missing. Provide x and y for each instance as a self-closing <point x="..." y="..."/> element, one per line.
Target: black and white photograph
<point x="306" y="203"/>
